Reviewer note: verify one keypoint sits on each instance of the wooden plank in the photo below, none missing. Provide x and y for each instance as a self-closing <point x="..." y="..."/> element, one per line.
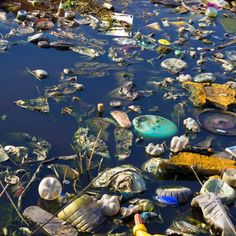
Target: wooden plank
<point x="55" y="227"/>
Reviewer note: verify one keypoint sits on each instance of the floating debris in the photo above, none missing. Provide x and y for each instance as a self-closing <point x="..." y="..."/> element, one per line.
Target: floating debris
<point x="124" y="140"/>
<point x="38" y="74"/>
<point x="220" y="188"/>
<point x="25" y="30"/>
<point x="219" y="95"/>
<point x="184" y="78"/>
<point x="124" y="178"/>
<point x="155" y="150"/>
<point x="187" y="226"/>
<point x="231" y="55"/>
<point x="204" y="78"/>
<point x="125" y="41"/>
<point x="178" y="144"/>
<point x="152" y="126"/>
<point x="218" y="122"/>
<point x="121" y="118"/>
<point x="35" y="149"/>
<point x="39" y="37"/>
<point x="128" y="211"/>
<point x="170" y="3"/>
<point x="135" y="108"/>
<point x="229" y="176"/>
<point x="84" y="214"/>
<point x="127" y="91"/>
<point x="4" y="45"/>
<point x="199" y="56"/>
<point x="185" y="162"/>
<point x="60" y="44"/>
<point x="85" y="51"/>
<point x="229" y="24"/>
<point x="58" y="92"/>
<point x="84" y="142"/>
<point x="191" y="125"/>
<point x="115" y="103"/>
<point x="3" y="155"/>
<point x="214" y="212"/>
<point x="54" y="227"/>
<point x="37" y="104"/>
<point x="174" y="65"/>
<point x="202" y="164"/>
<point x="109" y="205"/>
<point x="118" y="24"/>
<point x="154" y="166"/>
<point x="50" y="188"/>
<point x="167" y="200"/>
<point x="182" y="194"/>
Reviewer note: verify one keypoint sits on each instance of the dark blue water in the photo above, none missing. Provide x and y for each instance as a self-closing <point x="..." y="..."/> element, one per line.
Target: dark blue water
<point x="58" y="129"/>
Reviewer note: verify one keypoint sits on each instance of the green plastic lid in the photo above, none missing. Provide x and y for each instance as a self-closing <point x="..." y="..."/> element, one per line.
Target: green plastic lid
<point x="151" y="126"/>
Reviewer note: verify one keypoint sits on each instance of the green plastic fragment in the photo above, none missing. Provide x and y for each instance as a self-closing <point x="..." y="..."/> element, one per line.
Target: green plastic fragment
<point x="178" y="53"/>
<point x="151" y="126"/>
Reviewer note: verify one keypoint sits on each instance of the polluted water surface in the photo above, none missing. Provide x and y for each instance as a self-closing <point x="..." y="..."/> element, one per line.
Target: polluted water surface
<point x="117" y="117"/>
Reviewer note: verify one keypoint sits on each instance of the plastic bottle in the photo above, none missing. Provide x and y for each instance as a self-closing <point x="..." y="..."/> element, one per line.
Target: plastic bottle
<point x="211" y="12"/>
<point x="21" y="15"/>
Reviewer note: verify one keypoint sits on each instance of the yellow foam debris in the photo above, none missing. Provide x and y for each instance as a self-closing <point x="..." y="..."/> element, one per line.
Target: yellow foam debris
<point x="219" y="95"/>
<point x="209" y="165"/>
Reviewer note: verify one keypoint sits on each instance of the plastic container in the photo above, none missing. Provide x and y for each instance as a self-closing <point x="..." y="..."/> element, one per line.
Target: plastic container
<point x="49" y="188"/>
<point x="211" y="12"/>
<point x="80" y="202"/>
<point x="21" y="15"/>
<point x="151" y="126"/>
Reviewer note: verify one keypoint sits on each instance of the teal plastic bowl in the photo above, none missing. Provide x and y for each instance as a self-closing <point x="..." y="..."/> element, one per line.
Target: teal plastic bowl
<point x="151" y="126"/>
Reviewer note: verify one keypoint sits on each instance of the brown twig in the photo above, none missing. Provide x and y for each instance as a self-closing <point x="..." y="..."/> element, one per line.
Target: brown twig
<point x="200" y="182"/>
<point x="30" y="182"/>
<point x="4" y="189"/>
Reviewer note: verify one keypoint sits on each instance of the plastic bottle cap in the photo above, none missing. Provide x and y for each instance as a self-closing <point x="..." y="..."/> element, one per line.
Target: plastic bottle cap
<point x="100" y="107"/>
<point x="178" y="53"/>
<point x="163" y="41"/>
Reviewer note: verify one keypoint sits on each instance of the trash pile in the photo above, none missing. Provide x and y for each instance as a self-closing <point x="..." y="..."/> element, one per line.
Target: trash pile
<point x="149" y="88"/>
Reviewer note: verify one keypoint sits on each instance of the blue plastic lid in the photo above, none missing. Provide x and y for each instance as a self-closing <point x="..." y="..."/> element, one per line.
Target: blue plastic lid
<point x="151" y="126"/>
